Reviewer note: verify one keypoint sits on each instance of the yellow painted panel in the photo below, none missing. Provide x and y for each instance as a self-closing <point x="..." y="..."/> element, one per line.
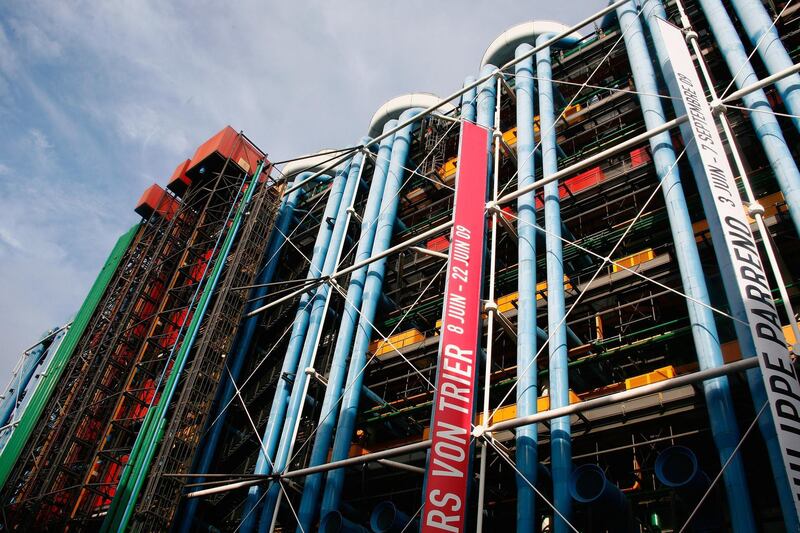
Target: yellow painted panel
<point x="634" y="259"/>
<point x="401" y="340"/>
<point x="510" y="411"/>
<point x="651" y="377"/>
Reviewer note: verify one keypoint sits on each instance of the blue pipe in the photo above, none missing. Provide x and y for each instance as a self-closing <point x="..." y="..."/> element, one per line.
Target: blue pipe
<point x="468" y="108"/>
<point x="527" y="331"/>
<point x="654" y="9"/>
<point x="722" y="416"/>
<point x="387" y="518"/>
<point x="677" y="468"/>
<point x="757" y="24"/>
<point x="560" y="430"/>
<point x="19" y="383"/>
<point x="335" y="522"/>
<point x="766" y="125"/>
<point x="371" y="296"/>
<point x="242" y="344"/>
<point x="486" y="100"/>
<point x="275" y="422"/>
<point x="329" y="411"/>
<point x="589" y="485"/>
<point x="318" y="304"/>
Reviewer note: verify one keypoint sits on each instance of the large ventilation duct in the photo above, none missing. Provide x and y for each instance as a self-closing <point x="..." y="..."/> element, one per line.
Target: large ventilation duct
<point x="678" y="469"/>
<point x="335" y="522"/>
<point x="719" y="402"/>
<point x="275" y="423"/>
<point x="504" y="46"/>
<point x="373" y="287"/>
<point x="516" y="42"/>
<point x="242" y="343"/>
<point x="652" y="11"/>
<point x="310" y="163"/>
<point x="387" y="518"/>
<point x="395" y="107"/>
<point x="330" y="406"/>
<point x="589" y="485"/>
<point x="762" y="33"/>
<point x="319" y="306"/>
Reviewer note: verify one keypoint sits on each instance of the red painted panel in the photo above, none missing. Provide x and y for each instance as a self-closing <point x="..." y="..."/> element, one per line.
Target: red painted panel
<point x="449" y="468"/>
<point x="179" y="181"/>
<point x="227" y="143"/>
<point x="439" y="244"/>
<point x="640" y="156"/>
<point x="156" y="200"/>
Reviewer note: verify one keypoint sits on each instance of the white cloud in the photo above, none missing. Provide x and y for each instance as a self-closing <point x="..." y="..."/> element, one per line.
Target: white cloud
<point x="35" y="40"/>
<point x="8" y="239"/>
<point x="95" y="106"/>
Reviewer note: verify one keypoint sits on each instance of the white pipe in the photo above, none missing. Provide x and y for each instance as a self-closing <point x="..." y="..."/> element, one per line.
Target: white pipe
<point x="491" y="305"/>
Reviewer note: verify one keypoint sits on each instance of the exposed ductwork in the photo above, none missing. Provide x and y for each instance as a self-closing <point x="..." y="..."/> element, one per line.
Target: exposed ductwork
<point x="652" y="11"/>
<point x="560" y="430"/>
<point x="589" y="485"/>
<point x="335" y="522"/>
<point x="371" y="297"/>
<point x="762" y="33"/>
<point x="387" y="518"/>
<point x="275" y="423"/>
<point x="319" y="306"/>
<point x="677" y="468"/>
<point x="395" y="107"/>
<point x="329" y="412"/>
<point x="706" y="339"/>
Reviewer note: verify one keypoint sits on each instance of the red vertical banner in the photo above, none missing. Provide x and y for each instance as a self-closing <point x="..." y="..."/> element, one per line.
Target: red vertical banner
<point x="449" y="472"/>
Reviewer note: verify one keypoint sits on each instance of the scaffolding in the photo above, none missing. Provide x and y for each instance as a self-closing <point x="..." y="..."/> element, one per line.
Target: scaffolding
<point x="636" y="384"/>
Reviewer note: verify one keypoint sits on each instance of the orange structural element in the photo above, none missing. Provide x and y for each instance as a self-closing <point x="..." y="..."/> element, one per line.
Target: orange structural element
<point x="179" y="181"/>
<point x="156" y="200"/>
<point x="632" y="260"/>
<point x="227" y="144"/>
<point x="655" y="376"/>
<point x="395" y="342"/>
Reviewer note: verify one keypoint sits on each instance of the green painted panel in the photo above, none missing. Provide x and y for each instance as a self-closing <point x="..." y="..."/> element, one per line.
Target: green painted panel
<point x="44" y="389"/>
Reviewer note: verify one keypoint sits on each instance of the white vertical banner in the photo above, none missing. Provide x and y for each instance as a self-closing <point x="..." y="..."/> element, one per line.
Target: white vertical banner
<point x="780" y="379"/>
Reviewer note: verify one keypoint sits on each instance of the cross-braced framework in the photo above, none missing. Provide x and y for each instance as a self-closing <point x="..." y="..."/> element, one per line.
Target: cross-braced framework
<point x="42" y="483"/>
<point x="115" y="378"/>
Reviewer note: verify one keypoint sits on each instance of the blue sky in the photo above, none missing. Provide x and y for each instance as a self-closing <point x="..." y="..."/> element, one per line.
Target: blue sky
<point x="100" y="99"/>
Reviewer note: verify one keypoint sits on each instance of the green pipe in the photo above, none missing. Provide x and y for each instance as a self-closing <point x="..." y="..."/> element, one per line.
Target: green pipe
<point x="132" y="480"/>
<point x="639" y="333"/>
<point x="51" y="378"/>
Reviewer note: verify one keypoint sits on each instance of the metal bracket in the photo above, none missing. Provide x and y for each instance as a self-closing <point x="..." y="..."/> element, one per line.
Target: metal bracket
<point x="755" y="208"/>
<point x="352" y="213"/>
